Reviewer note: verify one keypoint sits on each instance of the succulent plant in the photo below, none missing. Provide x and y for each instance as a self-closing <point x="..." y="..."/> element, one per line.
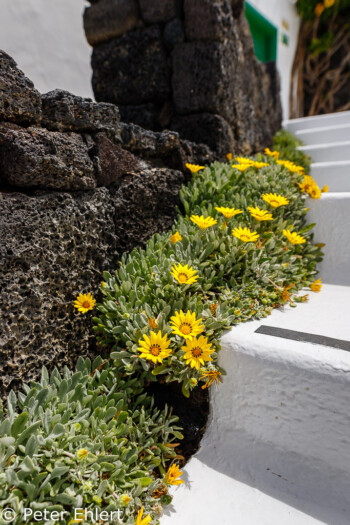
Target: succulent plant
<point x="81" y="440"/>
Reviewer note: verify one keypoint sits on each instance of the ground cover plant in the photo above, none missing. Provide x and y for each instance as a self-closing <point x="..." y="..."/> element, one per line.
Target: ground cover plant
<point x="241" y="249"/>
<point x="286" y="144"/>
<point x="85" y="439"/>
<point x="93" y="438"/>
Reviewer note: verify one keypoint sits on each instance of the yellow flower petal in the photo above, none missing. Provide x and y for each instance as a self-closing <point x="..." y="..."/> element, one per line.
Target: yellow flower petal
<point x="203" y="222"/>
<point x="171" y="476"/>
<point x="194" y="168"/>
<point x="84" y="302"/>
<point x="175" y="238"/>
<point x="260" y="215"/>
<point x="184" y="274"/>
<point x="156" y="348"/>
<point x="186" y="325"/>
<point x="228" y="213"/>
<point x="275" y="200"/>
<point x="245" y="235"/>
<point x="293" y="237"/>
<point x="316" y="285"/>
<point x="197" y="351"/>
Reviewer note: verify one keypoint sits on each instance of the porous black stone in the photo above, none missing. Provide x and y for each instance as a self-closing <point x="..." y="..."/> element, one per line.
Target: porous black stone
<point x="20" y="102"/>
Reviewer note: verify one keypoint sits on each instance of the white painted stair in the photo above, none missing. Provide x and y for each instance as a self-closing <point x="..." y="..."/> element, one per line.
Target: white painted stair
<point x="277" y="447"/>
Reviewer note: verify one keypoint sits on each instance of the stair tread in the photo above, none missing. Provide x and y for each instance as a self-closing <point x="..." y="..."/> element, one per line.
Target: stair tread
<point x="324" y="314"/>
<point x="318" y="129"/>
<point x="328" y="145"/>
<point x="210" y="496"/>
<point x="333" y="163"/>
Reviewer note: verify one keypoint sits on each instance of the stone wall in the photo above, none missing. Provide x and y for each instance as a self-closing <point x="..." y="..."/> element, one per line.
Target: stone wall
<point x="77" y="188"/>
<point x="185" y="65"/>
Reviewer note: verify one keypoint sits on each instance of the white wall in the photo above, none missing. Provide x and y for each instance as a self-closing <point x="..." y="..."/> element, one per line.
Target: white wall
<point x="47" y="40"/>
<point x="278" y="12"/>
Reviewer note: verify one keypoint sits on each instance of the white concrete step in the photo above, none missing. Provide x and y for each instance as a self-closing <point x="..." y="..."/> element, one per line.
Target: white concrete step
<point x="336" y="175"/>
<point x="335" y="151"/>
<point x="277" y="447"/>
<point x="324" y="135"/>
<point x="318" y="121"/>
<point x="331" y="214"/>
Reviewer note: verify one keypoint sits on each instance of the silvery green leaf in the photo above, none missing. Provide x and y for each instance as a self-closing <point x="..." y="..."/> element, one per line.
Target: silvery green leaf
<point x="27" y="465"/>
<point x="44" y="376"/>
<point x="31" y="446"/>
<point x="28" y="431"/>
<point x="7" y="441"/>
<point x="57" y="430"/>
<point x="11" y="402"/>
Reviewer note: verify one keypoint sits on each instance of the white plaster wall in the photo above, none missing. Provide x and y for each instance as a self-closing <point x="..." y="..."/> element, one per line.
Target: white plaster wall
<point x="47" y="40"/>
<point x="277" y="11"/>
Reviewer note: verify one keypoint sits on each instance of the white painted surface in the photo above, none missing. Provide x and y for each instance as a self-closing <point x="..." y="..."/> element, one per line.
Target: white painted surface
<point x="277" y="448"/>
<point x="211" y="496"/>
<point x="324" y="135"/>
<point x="331" y="119"/>
<point x="332" y="216"/>
<point x="330" y="152"/>
<point x="276" y="11"/>
<point x="335" y="174"/>
<point x="47" y="40"/>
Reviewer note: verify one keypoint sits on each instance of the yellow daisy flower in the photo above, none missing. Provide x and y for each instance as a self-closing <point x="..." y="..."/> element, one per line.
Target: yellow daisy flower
<point x="229" y="156"/>
<point x="156" y="348"/>
<point x="186" y="325"/>
<point x="245" y="235"/>
<point x="203" y="222"/>
<point x="247" y="163"/>
<point x="173" y="473"/>
<point x="197" y="351"/>
<point x="260" y="215"/>
<point x="244" y="160"/>
<point x="275" y="200"/>
<point x="82" y="453"/>
<point x="194" y="168"/>
<point x="241" y="167"/>
<point x="184" y="274"/>
<point x="274" y="154"/>
<point x="125" y="499"/>
<point x="315" y="192"/>
<point x="259" y="164"/>
<point x="84" y="302"/>
<point x="325" y="189"/>
<point x="291" y="166"/>
<point x="211" y="376"/>
<point x="228" y="213"/>
<point x="176" y="238"/>
<point x="316" y="286"/>
<point x="293" y="237"/>
<point x="307" y="183"/>
<point x="142" y="521"/>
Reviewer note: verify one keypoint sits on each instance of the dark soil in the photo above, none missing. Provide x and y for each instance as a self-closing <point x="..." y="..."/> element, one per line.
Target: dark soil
<point x="192" y="412"/>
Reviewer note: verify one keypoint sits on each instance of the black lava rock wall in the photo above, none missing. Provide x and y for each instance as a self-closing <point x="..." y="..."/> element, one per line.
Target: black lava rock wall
<point x="185" y="65"/>
<point x="77" y="188"/>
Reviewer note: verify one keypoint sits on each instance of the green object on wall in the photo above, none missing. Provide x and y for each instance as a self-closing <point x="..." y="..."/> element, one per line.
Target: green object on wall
<point x="264" y="34"/>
